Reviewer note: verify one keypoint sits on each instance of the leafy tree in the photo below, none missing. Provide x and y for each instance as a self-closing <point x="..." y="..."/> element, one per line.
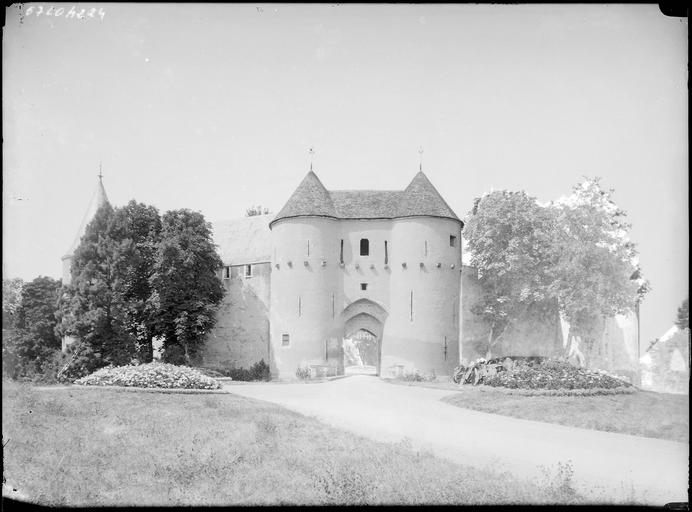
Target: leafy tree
<point x="34" y="341"/>
<point x="596" y="274"/>
<point x="92" y="308"/>
<point x="137" y="228"/>
<point x="510" y="239"/>
<point x="683" y="316"/>
<point x="256" y="210"/>
<point x="11" y="295"/>
<point x="185" y="283"/>
<point x="573" y="255"/>
<point x="107" y="306"/>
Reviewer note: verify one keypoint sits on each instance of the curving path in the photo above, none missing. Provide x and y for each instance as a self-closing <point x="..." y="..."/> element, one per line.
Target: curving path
<point x="607" y="466"/>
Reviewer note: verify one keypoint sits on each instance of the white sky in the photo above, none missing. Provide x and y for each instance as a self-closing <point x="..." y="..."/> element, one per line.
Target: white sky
<point x="213" y="107"/>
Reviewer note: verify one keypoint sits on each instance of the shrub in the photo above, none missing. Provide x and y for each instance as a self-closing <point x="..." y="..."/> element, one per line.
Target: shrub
<point x="26" y="357"/>
<point x="258" y="372"/>
<point x="261" y="371"/>
<point x="303" y="372"/>
<point x="150" y="375"/>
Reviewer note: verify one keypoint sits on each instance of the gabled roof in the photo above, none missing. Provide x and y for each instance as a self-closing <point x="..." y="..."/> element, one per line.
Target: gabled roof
<point x="357" y="204"/>
<point x="244" y="240"/>
<point x="312" y="199"/>
<point x="98" y="199"/>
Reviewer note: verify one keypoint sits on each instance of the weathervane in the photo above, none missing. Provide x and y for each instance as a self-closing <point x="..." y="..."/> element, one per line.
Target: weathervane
<point x="100" y="172"/>
<point x="420" y="152"/>
<point x="312" y="152"/>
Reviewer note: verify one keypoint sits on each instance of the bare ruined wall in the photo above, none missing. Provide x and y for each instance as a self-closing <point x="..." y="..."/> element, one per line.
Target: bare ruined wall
<point x="537" y="334"/>
<point x="614" y="345"/>
<point x="241" y="335"/>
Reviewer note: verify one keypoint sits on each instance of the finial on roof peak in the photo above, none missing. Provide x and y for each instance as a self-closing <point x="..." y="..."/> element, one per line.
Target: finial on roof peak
<point x="312" y="152"/>
<point x="420" y="159"/>
<point x="100" y="175"/>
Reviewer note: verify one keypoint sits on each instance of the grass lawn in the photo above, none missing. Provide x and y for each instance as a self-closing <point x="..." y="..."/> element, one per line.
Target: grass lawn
<point x="106" y="447"/>
<point x="644" y="413"/>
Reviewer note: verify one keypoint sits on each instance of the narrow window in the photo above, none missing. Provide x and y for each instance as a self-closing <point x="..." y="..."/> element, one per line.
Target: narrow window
<point x="452" y="241"/>
<point x="341" y="254"/>
<point x="426" y="247"/>
<point x="285" y="340"/>
<point x="363" y="286"/>
<point x="445" y="348"/>
<point x="386" y="253"/>
<point x="364" y="247"/>
<point x="227" y="272"/>
<point x="248" y="270"/>
<point x="308" y="247"/>
<point x="300" y="307"/>
<point x="411" y="306"/>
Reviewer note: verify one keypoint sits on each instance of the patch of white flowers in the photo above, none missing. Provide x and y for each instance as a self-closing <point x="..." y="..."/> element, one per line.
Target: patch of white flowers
<point x="150" y="375"/>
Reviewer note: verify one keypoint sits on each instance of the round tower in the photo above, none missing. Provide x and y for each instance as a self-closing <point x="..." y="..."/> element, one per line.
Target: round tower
<point x="305" y="254"/>
<point x="422" y="331"/>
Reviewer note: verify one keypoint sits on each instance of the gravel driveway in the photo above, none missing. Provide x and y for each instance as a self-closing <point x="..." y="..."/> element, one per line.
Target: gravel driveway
<point x="606" y="466"/>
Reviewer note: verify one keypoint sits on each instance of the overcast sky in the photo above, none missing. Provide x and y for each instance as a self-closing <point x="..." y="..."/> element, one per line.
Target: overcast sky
<point x="213" y="107"/>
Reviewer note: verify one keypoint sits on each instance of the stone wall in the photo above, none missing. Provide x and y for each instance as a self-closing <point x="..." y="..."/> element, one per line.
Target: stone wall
<point x="241" y="335"/>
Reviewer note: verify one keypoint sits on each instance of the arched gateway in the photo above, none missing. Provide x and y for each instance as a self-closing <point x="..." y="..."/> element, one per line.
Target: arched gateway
<point x="363" y="325"/>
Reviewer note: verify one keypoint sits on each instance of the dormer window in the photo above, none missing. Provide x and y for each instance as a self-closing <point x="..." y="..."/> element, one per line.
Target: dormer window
<point x="364" y="247"/>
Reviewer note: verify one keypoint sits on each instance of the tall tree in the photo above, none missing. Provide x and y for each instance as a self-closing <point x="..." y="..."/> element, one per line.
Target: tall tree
<point x="185" y="283"/>
<point x="137" y="229"/>
<point x="573" y="254"/>
<point x="682" y="319"/>
<point x="597" y="273"/>
<point x="92" y="307"/>
<point x="510" y="240"/>
<point x="34" y="340"/>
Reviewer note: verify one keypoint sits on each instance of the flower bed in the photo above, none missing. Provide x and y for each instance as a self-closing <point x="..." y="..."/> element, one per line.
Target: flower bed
<point x="538" y="374"/>
<point x="151" y="375"/>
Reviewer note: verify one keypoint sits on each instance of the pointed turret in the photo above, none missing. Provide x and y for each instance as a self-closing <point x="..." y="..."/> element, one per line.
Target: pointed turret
<point x="309" y="199"/>
<point x="98" y="199"/>
<point x="422" y="198"/>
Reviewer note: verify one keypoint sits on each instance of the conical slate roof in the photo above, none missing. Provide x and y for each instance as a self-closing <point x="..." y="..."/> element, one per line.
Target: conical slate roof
<point x="312" y="199"/>
<point x="422" y="198"/>
<point x="309" y="199"/>
<point x="98" y="199"/>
